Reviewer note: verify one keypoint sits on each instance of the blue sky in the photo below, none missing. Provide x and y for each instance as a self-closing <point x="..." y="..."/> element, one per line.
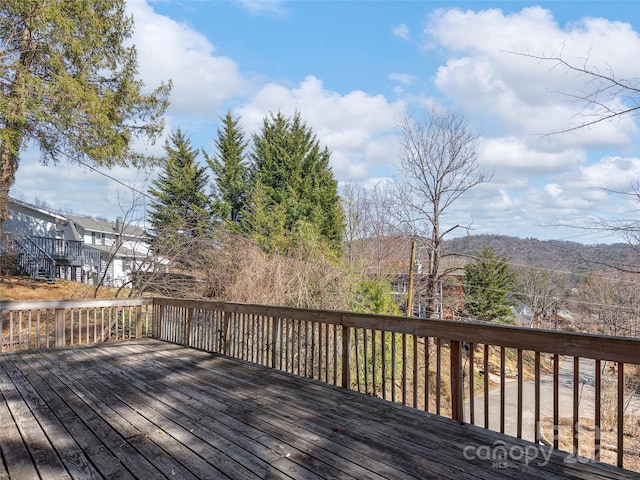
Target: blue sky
<point x="354" y="69"/>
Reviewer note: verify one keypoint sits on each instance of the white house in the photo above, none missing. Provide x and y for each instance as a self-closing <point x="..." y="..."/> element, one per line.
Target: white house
<point x="53" y="245"/>
<point x="121" y="248"/>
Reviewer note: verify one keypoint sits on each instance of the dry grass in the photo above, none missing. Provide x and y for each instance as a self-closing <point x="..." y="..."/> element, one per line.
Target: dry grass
<point x="608" y="439"/>
<point x="25" y="288"/>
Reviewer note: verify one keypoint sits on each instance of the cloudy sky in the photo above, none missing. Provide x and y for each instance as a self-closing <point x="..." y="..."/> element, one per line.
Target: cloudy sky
<point x="353" y="69"/>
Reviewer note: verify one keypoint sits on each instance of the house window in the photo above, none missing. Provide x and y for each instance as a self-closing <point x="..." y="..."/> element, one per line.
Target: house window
<point x="97" y="238"/>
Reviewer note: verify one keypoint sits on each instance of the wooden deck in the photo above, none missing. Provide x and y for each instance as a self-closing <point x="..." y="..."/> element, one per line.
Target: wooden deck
<point x="149" y="409"/>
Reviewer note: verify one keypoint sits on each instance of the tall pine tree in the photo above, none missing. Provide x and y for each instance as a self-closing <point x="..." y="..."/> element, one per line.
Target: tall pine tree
<point x="229" y="166"/>
<point x="291" y="177"/>
<point x="487" y="284"/>
<point x="69" y="85"/>
<point x="180" y="205"/>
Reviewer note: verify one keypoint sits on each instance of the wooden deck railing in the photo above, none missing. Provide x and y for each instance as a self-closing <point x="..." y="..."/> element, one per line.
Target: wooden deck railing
<point x="574" y="391"/>
<point x="58" y="323"/>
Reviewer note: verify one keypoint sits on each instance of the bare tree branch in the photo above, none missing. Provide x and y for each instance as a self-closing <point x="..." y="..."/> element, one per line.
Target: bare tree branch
<point x="612" y="97"/>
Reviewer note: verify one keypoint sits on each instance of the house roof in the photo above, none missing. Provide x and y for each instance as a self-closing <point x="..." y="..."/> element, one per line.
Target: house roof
<point x="42" y="210"/>
<point x="104" y="226"/>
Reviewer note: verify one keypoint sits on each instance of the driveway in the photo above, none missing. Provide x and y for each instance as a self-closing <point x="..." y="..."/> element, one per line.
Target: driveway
<point x="565" y="396"/>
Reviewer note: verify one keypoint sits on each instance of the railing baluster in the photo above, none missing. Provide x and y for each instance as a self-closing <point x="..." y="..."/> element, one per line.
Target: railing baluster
<point x="393" y="366"/>
<point x="598" y="409"/>
<point x="384" y="364"/>
<point x="438" y="373"/>
<point x="576" y="414"/>
<point x="536" y="412"/>
<point x="357" y="359"/>
<point x="374" y="362"/>
<point x="10" y="331"/>
<point x="486" y="386"/>
<point x="502" y="387"/>
<point x="556" y="426"/>
<point x="414" y="340"/>
<point x="520" y="380"/>
<point x="620" y="443"/>
<point x="472" y="393"/>
<point x="426" y="374"/>
<point x="404" y="368"/>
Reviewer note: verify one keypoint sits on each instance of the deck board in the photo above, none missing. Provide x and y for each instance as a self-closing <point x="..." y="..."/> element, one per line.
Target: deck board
<point x="150" y="409"/>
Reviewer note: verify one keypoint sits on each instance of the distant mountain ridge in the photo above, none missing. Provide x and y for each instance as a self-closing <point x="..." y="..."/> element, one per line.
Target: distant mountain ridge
<point x="553" y="254"/>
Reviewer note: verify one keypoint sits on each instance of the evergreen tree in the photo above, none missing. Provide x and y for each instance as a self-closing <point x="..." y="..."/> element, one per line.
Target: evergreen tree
<point x="296" y="182"/>
<point x="231" y="173"/>
<point x="487" y="284"/>
<point x="69" y="86"/>
<point x="180" y="206"/>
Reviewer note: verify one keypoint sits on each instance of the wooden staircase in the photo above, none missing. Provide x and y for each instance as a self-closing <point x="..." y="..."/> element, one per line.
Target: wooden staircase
<point x="34" y="261"/>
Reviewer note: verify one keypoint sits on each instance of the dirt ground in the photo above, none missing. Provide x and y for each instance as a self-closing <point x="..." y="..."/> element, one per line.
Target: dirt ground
<point x="26" y="288"/>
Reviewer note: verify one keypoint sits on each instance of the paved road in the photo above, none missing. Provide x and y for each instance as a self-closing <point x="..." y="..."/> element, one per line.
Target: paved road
<point x="565" y="392"/>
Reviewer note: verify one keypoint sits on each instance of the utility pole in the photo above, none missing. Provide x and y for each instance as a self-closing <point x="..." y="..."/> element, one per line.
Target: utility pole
<point x="412" y="261"/>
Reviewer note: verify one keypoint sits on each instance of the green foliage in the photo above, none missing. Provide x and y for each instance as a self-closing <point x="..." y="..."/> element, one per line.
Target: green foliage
<point x="487" y="284"/>
<point x="231" y="173"/>
<point x="179" y="207"/>
<point x="292" y="190"/>
<point x="69" y="86"/>
<point x="375" y="297"/>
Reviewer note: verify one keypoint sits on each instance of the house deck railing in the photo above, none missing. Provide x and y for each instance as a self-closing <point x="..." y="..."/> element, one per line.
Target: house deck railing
<point x="490" y="375"/>
<point x="60" y="249"/>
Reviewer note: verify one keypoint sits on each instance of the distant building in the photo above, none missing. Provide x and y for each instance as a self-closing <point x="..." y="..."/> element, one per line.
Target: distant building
<point x="49" y="245"/>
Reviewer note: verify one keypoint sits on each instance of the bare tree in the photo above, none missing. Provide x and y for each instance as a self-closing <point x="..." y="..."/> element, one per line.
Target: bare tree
<point x="439" y="163"/>
<point x="370" y="237"/>
<point x="611" y="303"/>
<point x="604" y="95"/>
<point x="540" y="289"/>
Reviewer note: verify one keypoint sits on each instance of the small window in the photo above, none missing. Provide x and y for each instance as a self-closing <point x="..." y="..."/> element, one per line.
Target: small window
<point x="97" y="238"/>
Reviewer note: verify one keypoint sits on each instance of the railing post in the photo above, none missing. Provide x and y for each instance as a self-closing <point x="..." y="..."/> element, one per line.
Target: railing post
<point x="276" y="325"/>
<point x="188" y="330"/>
<point x="158" y="320"/>
<point x="457" y="388"/>
<point x="226" y="334"/>
<point x="60" y="330"/>
<point x="346" y="356"/>
<point x="138" y="322"/>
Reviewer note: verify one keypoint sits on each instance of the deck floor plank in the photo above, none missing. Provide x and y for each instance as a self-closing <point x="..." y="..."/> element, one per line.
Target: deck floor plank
<point x="173" y="422"/>
<point x="227" y="386"/>
<point x="114" y="433"/>
<point x="159" y="448"/>
<point x="278" y="432"/>
<point x="149" y="409"/>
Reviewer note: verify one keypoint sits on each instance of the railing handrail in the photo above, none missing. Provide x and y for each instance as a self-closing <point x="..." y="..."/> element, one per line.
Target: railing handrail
<point x="16" y="305"/>
<point x="585" y="345"/>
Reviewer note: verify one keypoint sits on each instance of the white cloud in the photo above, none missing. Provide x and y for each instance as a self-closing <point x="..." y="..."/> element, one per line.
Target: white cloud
<point x="168" y="50"/>
<point x="79" y="189"/>
<point x="511" y="157"/>
<point x="404" y="78"/>
<point x="485" y="74"/>
<point x="273" y="8"/>
<point x="358" y="128"/>
<point x="611" y="173"/>
<point x="402" y="31"/>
